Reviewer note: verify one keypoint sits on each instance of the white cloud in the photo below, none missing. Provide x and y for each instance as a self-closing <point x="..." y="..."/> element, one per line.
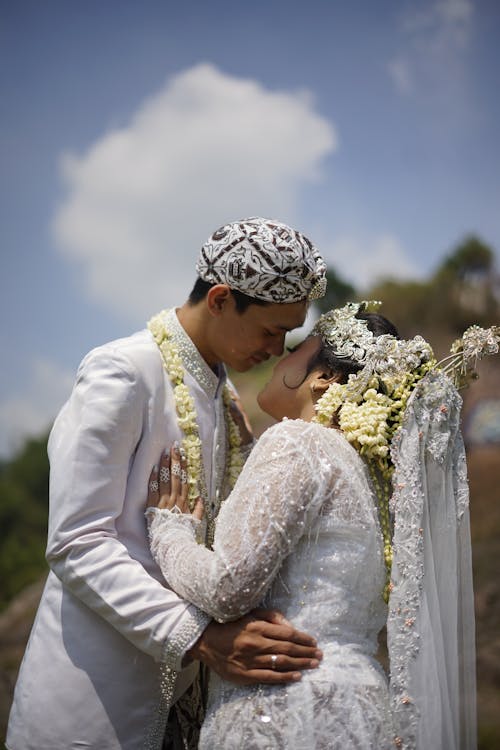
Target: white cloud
<point x="33" y="412"/>
<point x="435" y="37"/>
<point x="363" y="261"/>
<point x="446" y="20"/>
<point x="399" y="70"/>
<point x="206" y="149"/>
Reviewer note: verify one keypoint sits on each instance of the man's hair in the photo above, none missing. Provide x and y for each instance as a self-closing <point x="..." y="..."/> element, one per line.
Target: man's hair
<point x="242" y="301"/>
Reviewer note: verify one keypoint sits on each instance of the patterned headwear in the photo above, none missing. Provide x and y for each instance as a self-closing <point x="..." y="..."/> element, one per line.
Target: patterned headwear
<point x="264" y="259"/>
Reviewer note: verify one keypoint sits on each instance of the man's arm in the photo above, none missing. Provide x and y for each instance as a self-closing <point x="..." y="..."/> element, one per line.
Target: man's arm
<point x="91" y="451"/>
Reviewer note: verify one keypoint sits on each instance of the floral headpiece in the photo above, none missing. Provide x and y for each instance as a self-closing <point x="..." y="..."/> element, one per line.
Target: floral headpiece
<point x="385" y="357"/>
<point x="370" y="407"/>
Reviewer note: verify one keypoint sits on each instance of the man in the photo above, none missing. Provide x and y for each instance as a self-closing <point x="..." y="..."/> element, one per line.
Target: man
<point x="112" y="648"/>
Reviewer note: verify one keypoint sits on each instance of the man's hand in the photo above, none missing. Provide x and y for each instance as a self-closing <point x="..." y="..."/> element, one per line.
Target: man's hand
<point x="260" y="647"/>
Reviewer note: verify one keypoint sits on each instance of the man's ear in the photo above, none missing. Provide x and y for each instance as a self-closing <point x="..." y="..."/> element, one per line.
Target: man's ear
<point x="218" y="297"/>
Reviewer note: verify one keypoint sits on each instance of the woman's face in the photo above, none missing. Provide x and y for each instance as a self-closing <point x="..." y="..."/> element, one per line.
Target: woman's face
<point x="288" y="394"/>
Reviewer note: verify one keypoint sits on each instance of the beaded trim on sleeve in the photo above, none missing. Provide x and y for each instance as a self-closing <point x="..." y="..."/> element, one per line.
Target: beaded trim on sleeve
<point x="174" y="649"/>
<point x="184" y="637"/>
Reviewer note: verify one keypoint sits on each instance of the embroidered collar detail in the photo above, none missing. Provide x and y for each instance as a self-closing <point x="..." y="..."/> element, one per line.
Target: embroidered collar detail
<point x="191" y="357"/>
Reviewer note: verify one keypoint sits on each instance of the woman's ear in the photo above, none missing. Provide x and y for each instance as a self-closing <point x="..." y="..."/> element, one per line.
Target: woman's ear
<point x="218" y="297"/>
<point x="321" y="380"/>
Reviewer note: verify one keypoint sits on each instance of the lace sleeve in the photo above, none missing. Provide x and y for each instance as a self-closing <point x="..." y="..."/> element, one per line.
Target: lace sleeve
<point x="277" y="495"/>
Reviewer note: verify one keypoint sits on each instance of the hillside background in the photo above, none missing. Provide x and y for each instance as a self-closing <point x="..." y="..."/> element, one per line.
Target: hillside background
<point x="465" y="289"/>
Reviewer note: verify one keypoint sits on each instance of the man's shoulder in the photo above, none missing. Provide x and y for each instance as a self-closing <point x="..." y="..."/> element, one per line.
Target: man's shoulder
<point x="135" y="352"/>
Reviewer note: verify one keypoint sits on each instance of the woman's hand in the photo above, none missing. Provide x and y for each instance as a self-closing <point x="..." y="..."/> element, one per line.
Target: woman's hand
<point x="168" y="485"/>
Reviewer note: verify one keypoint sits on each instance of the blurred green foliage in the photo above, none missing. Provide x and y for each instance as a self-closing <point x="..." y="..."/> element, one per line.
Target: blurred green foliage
<point x="338" y="292"/>
<point x="23" y="518"/>
<point x="462" y="291"/>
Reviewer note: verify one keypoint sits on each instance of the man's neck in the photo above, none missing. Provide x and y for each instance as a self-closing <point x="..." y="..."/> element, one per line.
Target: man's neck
<point x="193" y="319"/>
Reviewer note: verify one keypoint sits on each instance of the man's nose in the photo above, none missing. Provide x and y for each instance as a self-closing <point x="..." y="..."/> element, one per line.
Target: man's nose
<point x="276" y="346"/>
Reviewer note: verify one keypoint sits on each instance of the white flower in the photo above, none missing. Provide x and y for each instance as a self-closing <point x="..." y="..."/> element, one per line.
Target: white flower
<point x="186" y="415"/>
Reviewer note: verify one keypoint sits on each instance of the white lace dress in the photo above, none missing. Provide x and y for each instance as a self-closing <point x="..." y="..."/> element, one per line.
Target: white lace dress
<point x="299" y="533"/>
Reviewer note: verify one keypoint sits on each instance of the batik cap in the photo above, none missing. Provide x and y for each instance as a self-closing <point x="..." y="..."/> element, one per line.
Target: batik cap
<point x="264" y="259"/>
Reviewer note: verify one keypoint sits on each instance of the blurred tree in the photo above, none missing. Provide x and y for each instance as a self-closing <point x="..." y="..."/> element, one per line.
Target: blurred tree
<point x="338" y="292"/>
<point x="463" y="291"/>
<point x="470" y="260"/>
<point x="403" y="302"/>
<point x="23" y="518"/>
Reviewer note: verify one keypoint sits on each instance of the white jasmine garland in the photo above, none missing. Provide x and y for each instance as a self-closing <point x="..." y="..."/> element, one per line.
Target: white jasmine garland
<point x="187" y="419"/>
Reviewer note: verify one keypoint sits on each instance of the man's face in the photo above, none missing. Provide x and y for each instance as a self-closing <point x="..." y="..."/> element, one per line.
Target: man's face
<point x="243" y="340"/>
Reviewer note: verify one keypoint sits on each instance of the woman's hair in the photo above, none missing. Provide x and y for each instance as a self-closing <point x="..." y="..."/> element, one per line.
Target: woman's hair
<point x="325" y="357"/>
<point x="242" y="301"/>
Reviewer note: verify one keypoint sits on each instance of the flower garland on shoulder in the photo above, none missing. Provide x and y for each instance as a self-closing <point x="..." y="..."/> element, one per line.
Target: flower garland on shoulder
<point x="187" y="419"/>
<point x="370" y="407"/>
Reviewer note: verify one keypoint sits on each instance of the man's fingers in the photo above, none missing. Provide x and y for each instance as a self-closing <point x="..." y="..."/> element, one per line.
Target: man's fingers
<point x="285" y="633"/>
<point x="283" y="663"/>
<point x="293" y="650"/>
<point x="270" y="615"/>
<point x="272" y="624"/>
<point x="268" y="677"/>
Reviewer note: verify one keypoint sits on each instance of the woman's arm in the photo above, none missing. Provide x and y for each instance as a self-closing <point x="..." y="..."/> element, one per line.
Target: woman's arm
<point x="278" y="493"/>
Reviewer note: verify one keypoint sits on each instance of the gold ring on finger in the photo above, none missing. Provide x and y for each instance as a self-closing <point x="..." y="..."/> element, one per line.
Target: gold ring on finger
<point x="274" y="660"/>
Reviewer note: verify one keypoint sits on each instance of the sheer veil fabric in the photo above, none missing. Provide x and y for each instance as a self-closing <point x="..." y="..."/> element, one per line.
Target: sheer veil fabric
<point x="431" y="610"/>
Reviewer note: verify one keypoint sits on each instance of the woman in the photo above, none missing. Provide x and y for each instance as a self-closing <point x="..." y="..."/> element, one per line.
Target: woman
<point x="301" y="533"/>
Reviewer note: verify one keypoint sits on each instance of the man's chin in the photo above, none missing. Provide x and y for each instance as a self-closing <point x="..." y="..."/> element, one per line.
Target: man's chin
<point x="243" y="365"/>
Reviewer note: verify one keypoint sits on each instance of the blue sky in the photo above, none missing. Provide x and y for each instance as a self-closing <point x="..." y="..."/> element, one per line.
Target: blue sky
<point x="130" y="130"/>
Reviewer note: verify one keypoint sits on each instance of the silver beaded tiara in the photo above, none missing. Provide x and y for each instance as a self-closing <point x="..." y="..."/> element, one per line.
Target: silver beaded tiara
<point x="386" y="356"/>
<point x="383" y="356"/>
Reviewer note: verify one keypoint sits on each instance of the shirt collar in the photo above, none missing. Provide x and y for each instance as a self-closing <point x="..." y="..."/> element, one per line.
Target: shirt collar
<point x="191" y="357"/>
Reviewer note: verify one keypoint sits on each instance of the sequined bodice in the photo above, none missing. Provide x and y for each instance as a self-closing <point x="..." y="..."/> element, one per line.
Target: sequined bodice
<point x="331" y="587"/>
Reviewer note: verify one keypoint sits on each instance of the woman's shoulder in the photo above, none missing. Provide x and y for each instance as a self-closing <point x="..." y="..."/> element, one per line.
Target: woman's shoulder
<point x="306" y="433"/>
<point x="289" y="427"/>
<point x="322" y="452"/>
